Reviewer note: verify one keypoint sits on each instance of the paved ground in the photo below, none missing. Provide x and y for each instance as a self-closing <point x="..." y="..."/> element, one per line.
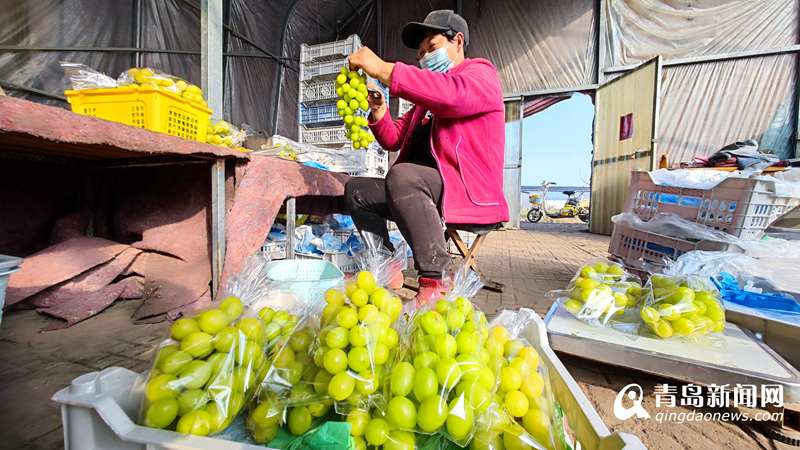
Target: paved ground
<point x="530" y="262"/>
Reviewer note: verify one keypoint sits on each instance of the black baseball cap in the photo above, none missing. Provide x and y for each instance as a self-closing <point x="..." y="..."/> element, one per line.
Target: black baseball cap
<point x="441" y="20"/>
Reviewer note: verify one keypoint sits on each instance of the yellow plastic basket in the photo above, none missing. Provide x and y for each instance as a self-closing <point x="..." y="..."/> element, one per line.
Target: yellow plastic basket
<point x="143" y="107"/>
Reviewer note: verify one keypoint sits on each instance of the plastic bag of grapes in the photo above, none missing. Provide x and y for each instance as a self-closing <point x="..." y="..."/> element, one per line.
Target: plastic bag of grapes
<point x="290" y="379"/>
<point x="441" y="382"/>
<point x="523" y="412"/>
<point x="206" y="373"/>
<point x="359" y="336"/>
<point x="603" y="293"/>
<point x="681" y="306"/>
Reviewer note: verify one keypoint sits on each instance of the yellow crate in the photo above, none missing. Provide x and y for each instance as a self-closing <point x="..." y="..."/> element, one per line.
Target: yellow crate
<point x="143" y="107"/>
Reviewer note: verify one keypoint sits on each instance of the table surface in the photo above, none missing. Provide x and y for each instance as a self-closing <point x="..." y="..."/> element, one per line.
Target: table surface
<point x="28" y="128"/>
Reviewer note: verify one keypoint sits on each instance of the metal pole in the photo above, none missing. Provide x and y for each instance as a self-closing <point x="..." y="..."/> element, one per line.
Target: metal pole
<point x="379" y="26"/>
<point x="137" y="41"/>
<point x="656" y="109"/>
<point x="217" y="223"/>
<point x="797" y="110"/>
<point x="713" y="58"/>
<point x="211" y="54"/>
<point x="599" y="51"/>
<point x="211" y="78"/>
<point x="291" y="211"/>
<point x="538" y="92"/>
<point x="519" y="161"/>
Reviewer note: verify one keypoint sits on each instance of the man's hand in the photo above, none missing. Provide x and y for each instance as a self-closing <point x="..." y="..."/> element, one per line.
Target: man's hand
<point x="366" y="59"/>
<point x="377" y="104"/>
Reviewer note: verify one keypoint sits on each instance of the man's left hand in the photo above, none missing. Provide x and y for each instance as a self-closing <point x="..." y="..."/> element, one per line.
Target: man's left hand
<point x="366" y="59"/>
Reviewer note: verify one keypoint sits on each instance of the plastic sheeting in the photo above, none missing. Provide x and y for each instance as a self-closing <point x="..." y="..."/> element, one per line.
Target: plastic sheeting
<point x="544" y="44"/>
<point x="706" y="106"/>
<point x="638" y="30"/>
<point x="166" y="24"/>
<point x="535" y="45"/>
<point x="61" y="23"/>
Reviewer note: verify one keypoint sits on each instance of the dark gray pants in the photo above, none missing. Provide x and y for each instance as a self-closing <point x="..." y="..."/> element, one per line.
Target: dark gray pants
<point x="409" y="196"/>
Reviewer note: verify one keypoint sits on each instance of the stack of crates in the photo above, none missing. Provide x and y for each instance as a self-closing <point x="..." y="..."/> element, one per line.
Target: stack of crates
<point x="741" y="207"/>
<point x="319" y="123"/>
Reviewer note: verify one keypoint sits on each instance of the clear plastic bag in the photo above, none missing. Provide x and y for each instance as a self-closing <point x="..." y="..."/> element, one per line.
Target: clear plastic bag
<point x="208" y="371"/>
<point x="511" y="421"/>
<point x="334" y="160"/>
<point x="441" y="383"/>
<point x="289" y="387"/>
<point x="358" y="337"/>
<point x="602" y="292"/>
<point x="224" y="134"/>
<point x="374" y="257"/>
<point x="681" y="306"/>
<point x="84" y="77"/>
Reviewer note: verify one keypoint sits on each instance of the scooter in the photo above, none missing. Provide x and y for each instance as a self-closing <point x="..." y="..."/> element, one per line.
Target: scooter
<point x="572" y="207"/>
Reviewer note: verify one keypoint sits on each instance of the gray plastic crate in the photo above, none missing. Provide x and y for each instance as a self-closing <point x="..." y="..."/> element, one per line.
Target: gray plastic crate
<point x="8" y="265"/>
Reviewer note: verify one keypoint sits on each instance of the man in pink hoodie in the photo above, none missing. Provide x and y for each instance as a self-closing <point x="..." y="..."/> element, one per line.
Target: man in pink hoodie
<point x="450" y="166"/>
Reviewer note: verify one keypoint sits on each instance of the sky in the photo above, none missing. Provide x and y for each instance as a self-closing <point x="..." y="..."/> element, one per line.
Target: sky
<point x="557" y="144"/>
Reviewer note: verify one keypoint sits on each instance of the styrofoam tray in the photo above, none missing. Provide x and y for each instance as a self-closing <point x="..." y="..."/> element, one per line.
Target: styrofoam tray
<point x="736" y="356"/>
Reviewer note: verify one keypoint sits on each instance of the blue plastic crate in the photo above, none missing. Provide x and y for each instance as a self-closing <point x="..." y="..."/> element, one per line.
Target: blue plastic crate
<point x="322" y="113"/>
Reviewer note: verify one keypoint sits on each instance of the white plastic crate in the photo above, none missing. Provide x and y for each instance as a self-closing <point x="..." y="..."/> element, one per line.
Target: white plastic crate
<point x="322" y="70"/>
<point x="98" y="407"/>
<point x="403" y="106"/>
<point x="743" y="207"/>
<point x="323" y="135"/>
<point x="377" y="160"/>
<point x="329" y="50"/>
<point x="274" y="250"/>
<point x="314" y="91"/>
<point x="345" y="263"/>
<point x="98" y="411"/>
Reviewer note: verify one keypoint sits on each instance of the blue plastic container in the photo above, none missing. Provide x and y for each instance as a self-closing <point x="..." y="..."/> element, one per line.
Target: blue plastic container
<point x="777" y="302"/>
<point x="322" y="113"/>
<point x="306" y="278"/>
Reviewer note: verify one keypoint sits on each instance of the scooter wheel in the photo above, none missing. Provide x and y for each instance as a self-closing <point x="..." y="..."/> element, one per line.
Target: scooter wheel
<point x="534" y="215"/>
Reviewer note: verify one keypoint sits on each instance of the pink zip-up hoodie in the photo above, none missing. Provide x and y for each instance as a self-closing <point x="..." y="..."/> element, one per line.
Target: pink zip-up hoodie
<point x="467" y="135"/>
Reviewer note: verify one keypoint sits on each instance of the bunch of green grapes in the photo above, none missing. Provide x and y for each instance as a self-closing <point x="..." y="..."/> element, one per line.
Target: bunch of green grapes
<point x="351" y="87"/>
<point x="288" y="382"/>
<point x="356" y="340"/>
<point x="204" y="377"/>
<point x="602" y="290"/>
<point x="675" y="308"/>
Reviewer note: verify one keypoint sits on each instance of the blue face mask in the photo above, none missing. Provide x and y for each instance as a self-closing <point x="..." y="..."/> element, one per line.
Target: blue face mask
<point x="436" y="61"/>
